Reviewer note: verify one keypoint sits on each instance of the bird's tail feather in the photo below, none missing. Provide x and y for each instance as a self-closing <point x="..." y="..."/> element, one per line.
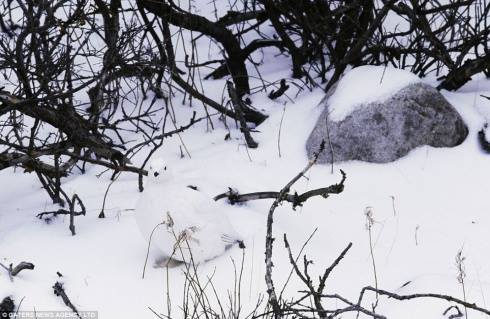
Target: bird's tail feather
<point x="231" y="241"/>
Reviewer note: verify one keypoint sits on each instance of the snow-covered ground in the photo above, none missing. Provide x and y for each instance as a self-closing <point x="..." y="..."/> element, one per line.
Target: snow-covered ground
<point x="427" y="207"/>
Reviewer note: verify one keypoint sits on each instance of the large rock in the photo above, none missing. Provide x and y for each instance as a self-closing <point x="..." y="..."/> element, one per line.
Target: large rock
<point x="381" y="132"/>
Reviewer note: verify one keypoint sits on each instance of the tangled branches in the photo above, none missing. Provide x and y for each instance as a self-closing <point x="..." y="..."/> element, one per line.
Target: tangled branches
<point x="76" y="73"/>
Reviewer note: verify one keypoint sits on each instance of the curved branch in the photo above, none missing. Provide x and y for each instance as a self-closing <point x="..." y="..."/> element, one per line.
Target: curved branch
<point x="457" y="77"/>
<point x="424" y="295"/>
<point x="296" y="199"/>
<point x="194" y="22"/>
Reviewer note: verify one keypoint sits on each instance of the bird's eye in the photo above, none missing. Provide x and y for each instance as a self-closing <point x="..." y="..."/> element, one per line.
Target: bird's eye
<point x="156" y="174"/>
<point x="165" y="168"/>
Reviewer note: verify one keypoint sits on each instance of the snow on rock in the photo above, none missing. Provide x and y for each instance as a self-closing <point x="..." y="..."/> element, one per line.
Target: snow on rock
<point x="366" y="84"/>
<point x="381" y="132"/>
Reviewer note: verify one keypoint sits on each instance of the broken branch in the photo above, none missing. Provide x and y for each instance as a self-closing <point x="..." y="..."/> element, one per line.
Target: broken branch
<point x="296" y="199"/>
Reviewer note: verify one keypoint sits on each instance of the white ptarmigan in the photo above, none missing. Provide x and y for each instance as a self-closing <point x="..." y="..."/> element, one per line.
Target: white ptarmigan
<point x="179" y="222"/>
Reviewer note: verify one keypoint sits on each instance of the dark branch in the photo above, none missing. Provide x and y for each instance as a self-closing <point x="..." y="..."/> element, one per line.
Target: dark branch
<point x="457" y="77"/>
<point x="60" y="292"/>
<point x="238" y="105"/>
<point x="425" y="295"/>
<point x="296" y="199"/>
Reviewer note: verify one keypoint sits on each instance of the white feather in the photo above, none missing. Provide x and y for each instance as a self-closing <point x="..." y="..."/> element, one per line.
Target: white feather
<point x="183" y="223"/>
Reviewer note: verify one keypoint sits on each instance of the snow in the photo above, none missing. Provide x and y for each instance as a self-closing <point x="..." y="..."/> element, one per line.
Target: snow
<point x="426" y="207"/>
<point x="366" y="84"/>
<point x="439" y="205"/>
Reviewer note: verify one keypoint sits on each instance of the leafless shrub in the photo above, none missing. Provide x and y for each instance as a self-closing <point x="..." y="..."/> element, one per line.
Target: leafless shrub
<point x="56" y="54"/>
